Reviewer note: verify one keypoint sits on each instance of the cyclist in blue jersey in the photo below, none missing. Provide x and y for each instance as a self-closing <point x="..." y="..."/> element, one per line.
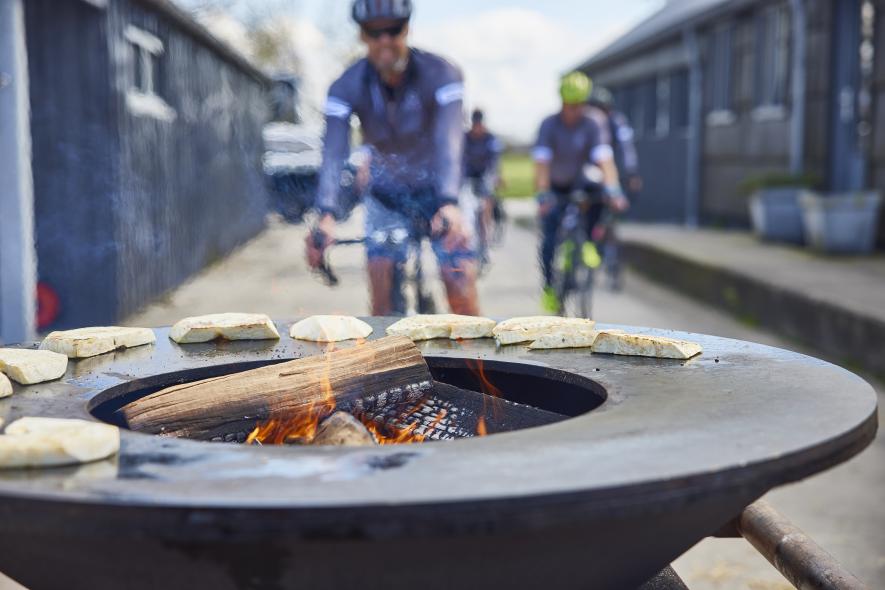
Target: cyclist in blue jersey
<point x="410" y="106"/>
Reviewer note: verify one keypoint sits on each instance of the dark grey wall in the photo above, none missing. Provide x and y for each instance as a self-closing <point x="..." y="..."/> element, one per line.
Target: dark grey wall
<point x="877" y="161"/>
<point x="129" y="205"/>
<point x="74" y="157"/>
<point x="190" y="189"/>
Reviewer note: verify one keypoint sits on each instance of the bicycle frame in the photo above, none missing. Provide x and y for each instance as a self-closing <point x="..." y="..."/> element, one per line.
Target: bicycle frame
<point x="577" y="255"/>
<point x="423" y="301"/>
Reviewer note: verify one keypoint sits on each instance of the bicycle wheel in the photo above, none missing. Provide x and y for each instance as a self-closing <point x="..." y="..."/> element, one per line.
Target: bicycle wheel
<point x="574" y="282"/>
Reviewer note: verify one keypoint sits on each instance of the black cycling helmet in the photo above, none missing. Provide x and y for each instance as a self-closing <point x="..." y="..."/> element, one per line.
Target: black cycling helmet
<point x="368" y="10"/>
<point x="601" y="97"/>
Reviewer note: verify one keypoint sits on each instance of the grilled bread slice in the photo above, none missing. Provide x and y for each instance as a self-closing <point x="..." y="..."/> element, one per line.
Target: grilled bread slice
<point x="88" y="342"/>
<point x="529" y="329"/>
<point x="224" y="326"/>
<point x="5" y="387"/>
<point x="330" y="328"/>
<point x="32" y="366"/>
<point x="568" y="338"/>
<point x="645" y="345"/>
<point x="452" y="326"/>
<point x="49" y="442"/>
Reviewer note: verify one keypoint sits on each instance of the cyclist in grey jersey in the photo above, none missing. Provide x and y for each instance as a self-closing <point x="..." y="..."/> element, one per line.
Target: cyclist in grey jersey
<point x="409" y="104"/>
<point x="567" y="142"/>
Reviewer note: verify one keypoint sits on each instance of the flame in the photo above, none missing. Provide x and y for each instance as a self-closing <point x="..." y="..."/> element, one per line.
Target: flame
<point x="481" y="427"/>
<point x="477" y="367"/>
<point x="301" y="427"/>
<point x="399" y="435"/>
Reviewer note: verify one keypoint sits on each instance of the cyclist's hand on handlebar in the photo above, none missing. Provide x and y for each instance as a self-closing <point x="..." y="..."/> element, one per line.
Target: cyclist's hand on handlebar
<point x="616" y="200"/>
<point x="319" y="239"/>
<point x="448" y="224"/>
<point x="619" y="203"/>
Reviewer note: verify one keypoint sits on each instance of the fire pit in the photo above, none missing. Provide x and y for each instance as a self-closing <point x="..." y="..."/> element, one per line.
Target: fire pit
<point x="639" y="460"/>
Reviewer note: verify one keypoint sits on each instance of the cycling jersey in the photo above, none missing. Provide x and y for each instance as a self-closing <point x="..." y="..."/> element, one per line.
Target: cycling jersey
<point x="569" y="149"/>
<point x="413" y="132"/>
<point x="481" y="155"/>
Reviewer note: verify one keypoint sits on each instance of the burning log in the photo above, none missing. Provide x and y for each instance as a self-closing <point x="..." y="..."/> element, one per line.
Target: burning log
<point x="343" y="430"/>
<point x="386" y="371"/>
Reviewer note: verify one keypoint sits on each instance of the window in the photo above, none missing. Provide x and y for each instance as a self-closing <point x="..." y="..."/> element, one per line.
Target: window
<point x="662" y="127"/>
<point x="772" y="56"/>
<point x="679" y="100"/>
<point x="649" y="99"/>
<point x="721" y="60"/>
<point x="144" y="97"/>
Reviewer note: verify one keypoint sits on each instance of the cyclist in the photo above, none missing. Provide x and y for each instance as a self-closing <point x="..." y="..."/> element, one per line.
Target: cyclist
<point x="618" y="133"/>
<point x="409" y="103"/>
<point x="568" y="142"/>
<point x="482" y="153"/>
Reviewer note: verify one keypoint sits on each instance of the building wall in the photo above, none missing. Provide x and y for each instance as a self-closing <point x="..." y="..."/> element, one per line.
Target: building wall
<point x="190" y="179"/>
<point x="740" y="140"/>
<point x="752" y="139"/>
<point x="74" y="146"/>
<point x="132" y="197"/>
<point x="877" y="141"/>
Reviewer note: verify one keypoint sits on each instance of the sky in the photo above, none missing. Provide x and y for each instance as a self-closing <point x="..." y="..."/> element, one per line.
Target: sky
<point x="512" y="52"/>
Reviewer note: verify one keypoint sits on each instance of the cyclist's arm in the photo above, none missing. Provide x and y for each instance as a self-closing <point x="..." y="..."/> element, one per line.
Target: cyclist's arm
<point x="542" y="176"/>
<point x="336" y="151"/>
<point x="603" y="156"/>
<point x="448" y="138"/>
<point x="542" y="154"/>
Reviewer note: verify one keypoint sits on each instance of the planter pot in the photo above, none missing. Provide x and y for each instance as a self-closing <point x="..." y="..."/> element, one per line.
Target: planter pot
<point x="776" y="215"/>
<point x="842" y="223"/>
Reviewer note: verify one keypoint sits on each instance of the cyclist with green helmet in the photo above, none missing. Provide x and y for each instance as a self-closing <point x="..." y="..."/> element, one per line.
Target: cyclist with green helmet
<point x="568" y="142"/>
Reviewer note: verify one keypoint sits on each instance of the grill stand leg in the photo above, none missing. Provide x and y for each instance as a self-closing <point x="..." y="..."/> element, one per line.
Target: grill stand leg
<point x="802" y="561"/>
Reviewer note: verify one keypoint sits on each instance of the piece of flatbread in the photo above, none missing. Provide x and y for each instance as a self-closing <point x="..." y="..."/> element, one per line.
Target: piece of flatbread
<point x="88" y="342"/>
<point x="447" y="325"/>
<point x="49" y="442"/>
<point x="568" y="338"/>
<point x="529" y="329"/>
<point x="5" y="387"/>
<point x="330" y="328"/>
<point x="224" y="326"/>
<point x="28" y="367"/>
<point x="644" y="345"/>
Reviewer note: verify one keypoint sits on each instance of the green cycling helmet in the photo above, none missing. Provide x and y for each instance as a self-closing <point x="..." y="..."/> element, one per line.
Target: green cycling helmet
<point x="575" y="88"/>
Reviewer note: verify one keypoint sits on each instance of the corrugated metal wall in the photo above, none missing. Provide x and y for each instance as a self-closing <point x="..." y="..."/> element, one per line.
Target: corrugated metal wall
<point x="191" y="189"/>
<point x="74" y="157"/>
<point x="130" y="204"/>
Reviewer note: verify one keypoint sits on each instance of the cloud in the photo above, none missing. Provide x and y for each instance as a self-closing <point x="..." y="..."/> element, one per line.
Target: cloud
<point x="512" y="60"/>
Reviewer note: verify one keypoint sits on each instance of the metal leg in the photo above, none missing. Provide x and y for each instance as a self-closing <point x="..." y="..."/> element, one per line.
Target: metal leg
<point x="802" y="561"/>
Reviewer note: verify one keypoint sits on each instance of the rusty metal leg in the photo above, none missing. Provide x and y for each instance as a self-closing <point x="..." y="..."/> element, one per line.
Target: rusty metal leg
<point x="802" y="561"/>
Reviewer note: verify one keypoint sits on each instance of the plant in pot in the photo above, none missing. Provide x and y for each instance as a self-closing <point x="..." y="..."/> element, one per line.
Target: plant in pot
<point x="841" y="223"/>
<point x="774" y="205"/>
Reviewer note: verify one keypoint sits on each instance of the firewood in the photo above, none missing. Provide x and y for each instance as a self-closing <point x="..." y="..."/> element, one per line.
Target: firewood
<point x="379" y="372"/>
<point x="343" y="430"/>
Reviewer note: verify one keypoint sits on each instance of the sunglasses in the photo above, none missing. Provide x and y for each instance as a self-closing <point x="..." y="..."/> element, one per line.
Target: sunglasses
<point x="393" y="31"/>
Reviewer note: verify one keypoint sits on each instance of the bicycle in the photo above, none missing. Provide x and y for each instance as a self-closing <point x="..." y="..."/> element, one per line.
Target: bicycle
<point x="577" y="255"/>
<point x="489" y="229"/>
<point x="409" y="272"/>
